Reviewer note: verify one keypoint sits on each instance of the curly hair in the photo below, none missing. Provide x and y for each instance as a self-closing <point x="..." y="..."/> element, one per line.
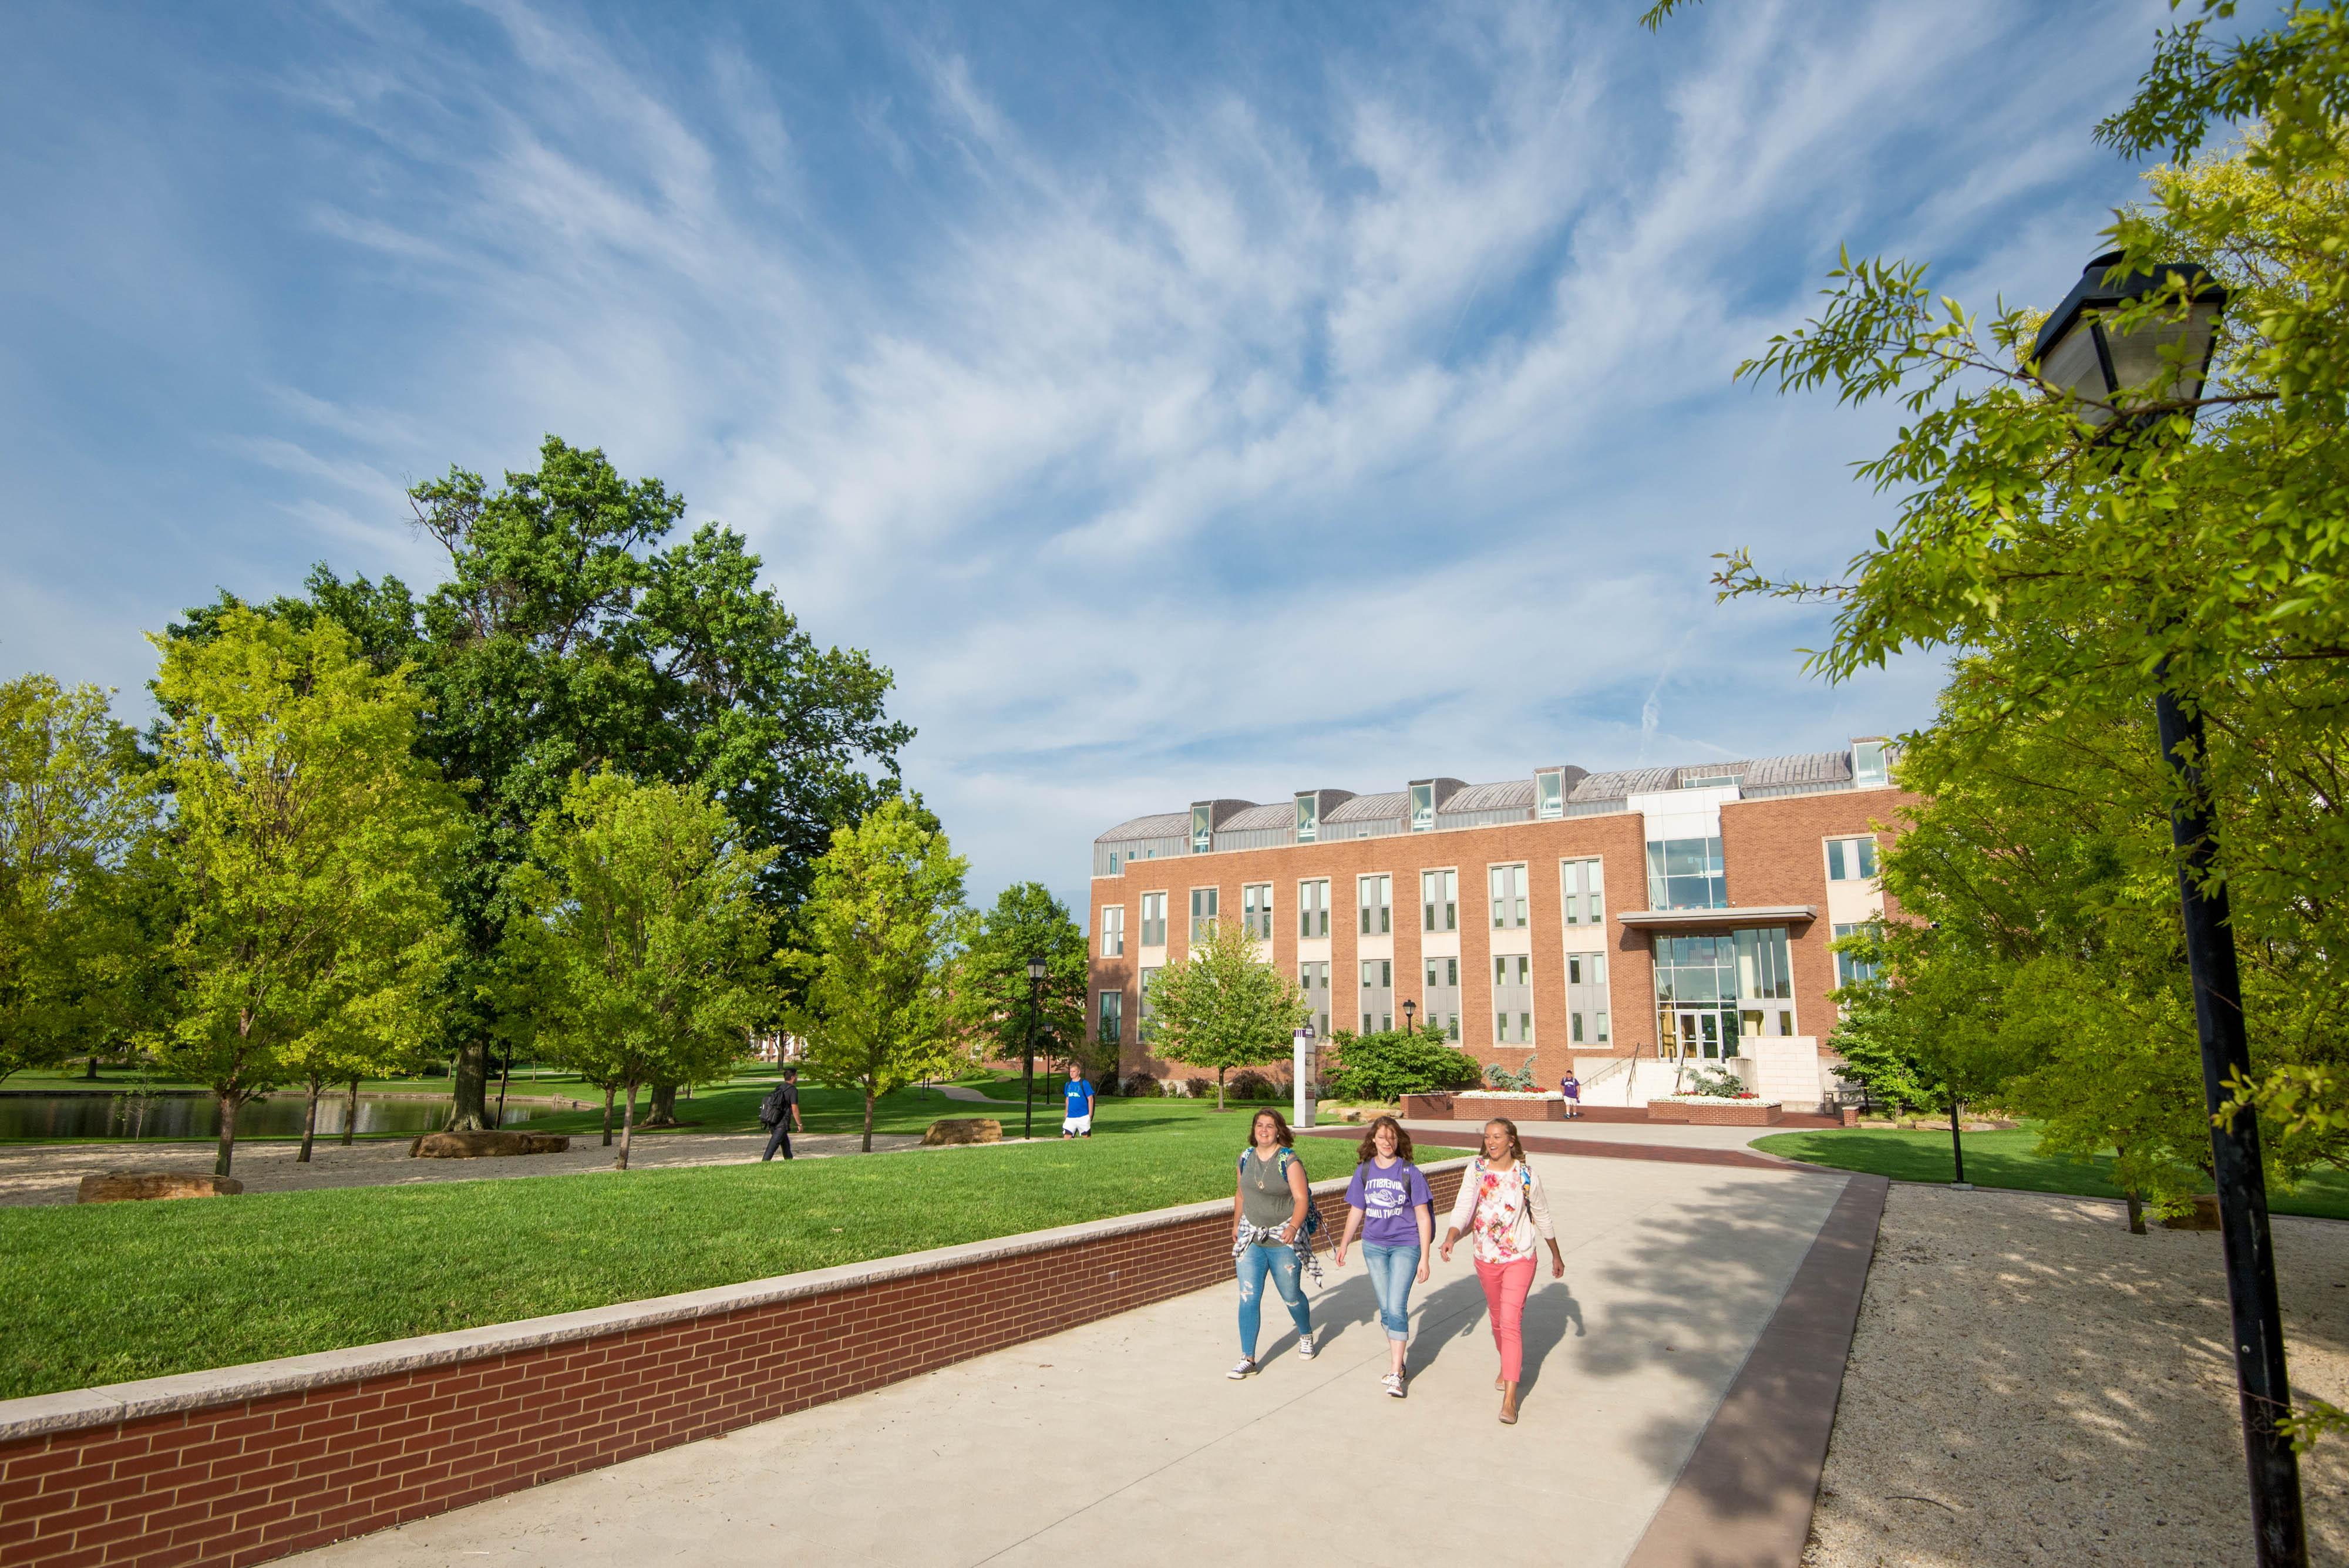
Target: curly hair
<point x="1283" y="1136"/>
<point x="1516" y="1149"/>
<point x="1368" y="1150"/>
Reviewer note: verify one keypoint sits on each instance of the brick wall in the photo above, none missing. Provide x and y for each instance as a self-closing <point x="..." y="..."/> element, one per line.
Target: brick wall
<point x="230" y="1472"/>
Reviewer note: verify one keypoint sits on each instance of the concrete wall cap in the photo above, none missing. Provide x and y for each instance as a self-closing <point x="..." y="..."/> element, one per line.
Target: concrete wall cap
<point x="79" y="1409"/>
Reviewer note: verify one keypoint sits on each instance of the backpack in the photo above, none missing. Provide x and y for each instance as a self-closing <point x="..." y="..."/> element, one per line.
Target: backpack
<point x="1312" y="1210"/>
<point x="771" y="1109"/>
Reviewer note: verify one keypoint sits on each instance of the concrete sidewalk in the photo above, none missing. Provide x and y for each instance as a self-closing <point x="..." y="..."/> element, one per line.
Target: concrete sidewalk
<point x="1122" y="1442"/>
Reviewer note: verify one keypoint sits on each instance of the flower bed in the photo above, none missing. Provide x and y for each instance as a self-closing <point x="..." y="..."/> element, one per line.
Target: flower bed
<point x="1715" y="1110"/>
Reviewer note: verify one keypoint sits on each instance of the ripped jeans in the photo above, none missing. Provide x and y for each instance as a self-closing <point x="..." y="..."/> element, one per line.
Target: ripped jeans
<point x="1281" y="1264"/>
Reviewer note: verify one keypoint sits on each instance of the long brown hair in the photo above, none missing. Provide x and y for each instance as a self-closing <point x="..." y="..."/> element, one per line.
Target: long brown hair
<point x="1516" y="1149"/>
<point x="1286" y="1139"/>
<point x="1368" y="1151"/>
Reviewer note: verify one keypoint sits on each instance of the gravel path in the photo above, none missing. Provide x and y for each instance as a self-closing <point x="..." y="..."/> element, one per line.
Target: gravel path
<point x="2030" y="1383"/>
<point x="52" y="1173"/>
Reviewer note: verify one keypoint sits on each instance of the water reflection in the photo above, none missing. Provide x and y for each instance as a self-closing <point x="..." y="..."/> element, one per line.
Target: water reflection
<point x="198" y="1115"/>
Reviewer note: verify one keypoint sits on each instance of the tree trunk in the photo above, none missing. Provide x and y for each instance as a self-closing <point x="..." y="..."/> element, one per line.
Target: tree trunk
<point x="227" y="1135"/>
<point x="1219" y="1080"/>
<point x="1957" y="1144"/>
<point x="89" y="1067"/>
<point x="309" y="1123"/>
<point x="627" y="1123"/>
<point x="351" y="1114"/>
<point x="468" y="1096"/>
<point x="662" y="1111"/>
<point x="607" y="1116"/>
<point x="2136" y="1212"/>
<point x="868" y="1115"/>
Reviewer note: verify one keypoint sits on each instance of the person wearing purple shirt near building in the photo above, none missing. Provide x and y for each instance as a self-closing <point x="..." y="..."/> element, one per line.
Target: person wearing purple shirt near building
<point x="1570" y="1087"/>
<point x="1390" y="1206"/>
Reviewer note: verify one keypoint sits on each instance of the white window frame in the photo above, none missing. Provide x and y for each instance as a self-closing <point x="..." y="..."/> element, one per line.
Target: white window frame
<point x="1511" y="905"/>
<point x="1112" y="932"/>
<point x="1383" y="883"/>
<point x="1310" y="905"/>
<point x="1159" y="898"/>
<point x="1255" y="909"/>
<point x="1445" y="884"/>
<point x="1199" y="922"/>
<point x="1852" y="858"/>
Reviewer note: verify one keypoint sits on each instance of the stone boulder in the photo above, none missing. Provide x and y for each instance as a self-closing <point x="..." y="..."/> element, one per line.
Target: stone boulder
<point x="963" y="1130"/>
<point x="485" y="1145"/>
<point x="136" y="1186"/>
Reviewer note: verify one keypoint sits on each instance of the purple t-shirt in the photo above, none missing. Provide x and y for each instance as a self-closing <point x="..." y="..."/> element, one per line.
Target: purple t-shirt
<point x="1386" y="1198"/>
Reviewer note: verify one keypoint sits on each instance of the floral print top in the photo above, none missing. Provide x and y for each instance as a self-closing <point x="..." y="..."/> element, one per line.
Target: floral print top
<point x="1506" y="1211"/>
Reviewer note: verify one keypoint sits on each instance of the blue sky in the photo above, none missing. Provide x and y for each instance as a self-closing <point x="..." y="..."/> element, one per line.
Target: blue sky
<point x="1183" y="400"/>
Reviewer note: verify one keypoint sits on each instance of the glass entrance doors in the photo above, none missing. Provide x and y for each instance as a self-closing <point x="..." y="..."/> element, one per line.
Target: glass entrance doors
<point x="1704" y="1031"/>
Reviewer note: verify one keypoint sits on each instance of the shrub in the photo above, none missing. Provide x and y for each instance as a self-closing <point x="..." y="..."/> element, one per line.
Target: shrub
<point x="1140" y="1086"/>
<point x="1520" y="1081"/>
<point x="1715" y="1081"/>
<point x="1247" y="1084"/>
<point x="1198" y="1088"/>
<point x="1392" y="1063"/>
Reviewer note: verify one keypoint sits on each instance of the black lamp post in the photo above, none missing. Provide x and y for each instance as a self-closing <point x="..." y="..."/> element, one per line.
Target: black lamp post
<point x="1409" y="1007"/>
<point x="1027" y="1066"/>
<point x="2082" y="354"/>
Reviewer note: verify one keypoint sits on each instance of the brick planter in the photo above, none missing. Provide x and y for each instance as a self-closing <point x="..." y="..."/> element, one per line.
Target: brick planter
<point x="1476" y="1107"/>
<point x="1754" y="1116"/>
<point x="248" y="1463"/>
<point x="1427" y="1108"/>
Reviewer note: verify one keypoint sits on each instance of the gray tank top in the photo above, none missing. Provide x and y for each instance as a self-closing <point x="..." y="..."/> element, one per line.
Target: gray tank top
<point x="1265" y="1197"/>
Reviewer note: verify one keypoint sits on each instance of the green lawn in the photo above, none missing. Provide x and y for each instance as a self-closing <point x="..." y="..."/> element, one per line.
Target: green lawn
<point x="114" y="1291"/>
<point x="2007" y="1159"/>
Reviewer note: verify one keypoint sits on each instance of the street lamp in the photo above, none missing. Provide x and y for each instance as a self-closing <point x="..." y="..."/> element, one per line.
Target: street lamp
<point x="1028" y="1062"/>
<point x="2083" y="355"/>
<point x="1300" y="1072"/>
<point x="1409" y="1007"/>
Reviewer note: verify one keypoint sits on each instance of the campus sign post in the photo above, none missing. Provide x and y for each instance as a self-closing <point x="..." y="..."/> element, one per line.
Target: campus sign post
<point x="1301" y="1076"/>
<point x="2163" y="361"/>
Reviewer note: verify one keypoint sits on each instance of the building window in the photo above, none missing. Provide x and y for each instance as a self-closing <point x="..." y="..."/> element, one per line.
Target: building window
<point x="1154" y="919"/>
<point x="1870" y="763"/>
<point x="1709" y="781"/>
<point x="1112" y="932"/>
<point x="1313" y="908"/>
<point x="1686" y="874"/>
<point x="1375" y="896"/>
<point x="1376" y="995"/>
<point x="1513" y="1000"/>
<point x="1549" y="794"/>
<point x="1440" y="995"/>
<point x="1423" y="807"/>
<point x="1508" y="888"/>
<point x="1696" y="996"/>
<point x="1309" y="819"/>
<point x="1851" y="969"/>
<point x="1203" y="830"/>
<point x="1203" y="912"/>
<point x="1141" y="1022"/>
<point x="1113" y="1010"/>
<point x="1851" y="859"/>
<point x="1586" y="998"/>
<point x="1583" y="888"/>
<point x="1313" y="980"/>
<point x="1439" y="900"/>
<point x="1255" y="909"/>
<point x="1112" y="862"/>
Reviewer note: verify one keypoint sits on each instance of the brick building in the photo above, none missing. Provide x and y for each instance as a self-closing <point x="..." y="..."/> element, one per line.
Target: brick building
<point x="1627" y="923"/>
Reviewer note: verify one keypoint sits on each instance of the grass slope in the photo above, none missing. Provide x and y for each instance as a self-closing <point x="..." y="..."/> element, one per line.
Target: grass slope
<point x="114" y="1291"/>
<point x="2008" y="1159"/>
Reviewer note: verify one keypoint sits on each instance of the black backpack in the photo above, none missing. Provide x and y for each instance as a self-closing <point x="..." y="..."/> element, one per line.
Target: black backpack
<point x="771" y="1109"/>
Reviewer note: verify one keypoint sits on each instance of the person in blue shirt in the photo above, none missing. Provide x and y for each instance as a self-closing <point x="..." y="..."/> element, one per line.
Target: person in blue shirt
<point x="1078" y="1120"/>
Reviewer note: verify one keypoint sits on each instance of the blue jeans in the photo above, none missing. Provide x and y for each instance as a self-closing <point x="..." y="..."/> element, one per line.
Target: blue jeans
<point x="1281" y="1264"/>
<point x="1391" y="1271"/>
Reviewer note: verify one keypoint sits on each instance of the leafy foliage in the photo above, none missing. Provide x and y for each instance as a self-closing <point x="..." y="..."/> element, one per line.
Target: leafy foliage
<point x="992" y="985"/>
<point x="1222" y="1009"/>
<point x="1390" y="1064"/>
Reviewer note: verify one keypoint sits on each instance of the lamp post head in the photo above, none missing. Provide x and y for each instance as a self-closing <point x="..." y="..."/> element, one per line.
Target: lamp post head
<point x="1035" y="969"/>
<point x="2161" y="359"/>
<point x="1409" y="1007"/>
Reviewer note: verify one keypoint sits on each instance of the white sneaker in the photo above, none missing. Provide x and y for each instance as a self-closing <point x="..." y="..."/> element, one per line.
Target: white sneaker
<point x="1245" y="1368"/>
<point x="1393" y="1380"/>
<point x="1304" y="1347"/>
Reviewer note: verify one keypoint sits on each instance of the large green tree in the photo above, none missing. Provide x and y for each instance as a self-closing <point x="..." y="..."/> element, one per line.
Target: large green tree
<point x="1222" y="1009"/>
<point x="992" y="985"/>
<point x="648" y="951"/>
<point x="571" y="636"/>
<point x="874" y="942"/>
<point x="77" y="810"/>
<point x="313" y="845"/>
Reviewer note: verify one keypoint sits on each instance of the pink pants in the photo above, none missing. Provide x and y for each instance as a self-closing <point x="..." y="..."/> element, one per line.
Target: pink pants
<point x="1506" y="1286"/>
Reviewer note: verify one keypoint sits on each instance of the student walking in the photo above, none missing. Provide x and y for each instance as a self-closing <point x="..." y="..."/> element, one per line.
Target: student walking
<point x="1077" y="1120"/>
<point x="1389" y="1203"/>
<point x="779" y="1111"/>
<point x="1571" y="1087"/>
<point x="1501" y="1200"/>
<point x="1272" y="1220"/>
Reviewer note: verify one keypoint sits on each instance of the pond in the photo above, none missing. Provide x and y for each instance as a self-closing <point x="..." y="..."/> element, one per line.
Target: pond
<point x="198" y="1115"/>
